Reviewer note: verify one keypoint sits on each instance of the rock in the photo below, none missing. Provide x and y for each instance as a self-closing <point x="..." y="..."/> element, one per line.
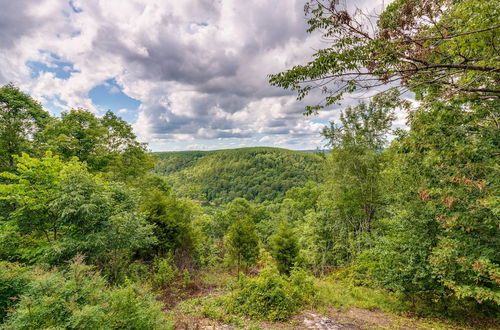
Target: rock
<point x="314" y="321"/>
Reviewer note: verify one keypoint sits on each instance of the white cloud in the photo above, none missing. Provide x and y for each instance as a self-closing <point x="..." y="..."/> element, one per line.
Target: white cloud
<point x="199" y="67"/>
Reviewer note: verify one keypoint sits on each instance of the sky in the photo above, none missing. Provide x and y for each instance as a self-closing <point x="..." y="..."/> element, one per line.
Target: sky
<point x="187" y="75"/>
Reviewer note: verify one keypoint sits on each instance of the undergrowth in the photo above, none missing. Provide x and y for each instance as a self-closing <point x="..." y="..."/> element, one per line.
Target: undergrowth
<point x="277" y="298"/>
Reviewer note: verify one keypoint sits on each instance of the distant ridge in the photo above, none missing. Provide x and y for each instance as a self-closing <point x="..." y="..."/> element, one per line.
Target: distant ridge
<point x="254" y="173"/>
<point x="324" y="151"/>
<point x="319" y="151"/>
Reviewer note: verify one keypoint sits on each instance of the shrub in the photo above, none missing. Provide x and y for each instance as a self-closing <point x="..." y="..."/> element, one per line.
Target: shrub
<point x="165" y="273"/>
<point x="285" y="248"/>
<point x="13" y="282"/>
<point x="138" y="271"/>
<point x="81" y="299"/>
<point x="242" y="243"/>
<point x="271" y="296"/>
<point x="10" y="241"/>
<point x="303" y="286"/>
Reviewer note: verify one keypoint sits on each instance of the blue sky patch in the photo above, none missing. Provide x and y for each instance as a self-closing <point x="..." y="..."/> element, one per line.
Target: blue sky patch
<point x="320" y="121"/>
<point x="110" y="96"/>
<point x="55" y="105"/>
<point x="61" y="69"/>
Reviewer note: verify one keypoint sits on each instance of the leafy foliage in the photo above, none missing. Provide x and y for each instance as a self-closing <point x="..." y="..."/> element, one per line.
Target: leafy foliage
<point x="351" y="202"/>
<point x="448" y="215"/>
<point x="21" y="120"/>
<point x="414" y="221"/>
<point x="242" y="243"/>
<point x="430" y="47"/>
<point x="437" y="185"/>
<point x="63" y="210"/>
<point x="81" y="299"/>
<point x="172" y="221"/>
<point x="285" y="248"/>
<point x="13" y="282"/>
<point x="165" y="272"/>
<point x="271" y="296"/>
<point x="106" y="144"/>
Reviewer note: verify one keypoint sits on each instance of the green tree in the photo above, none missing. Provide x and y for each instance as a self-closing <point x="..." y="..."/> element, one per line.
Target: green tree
<point x="77" y="134"/>
<point x="172" y="220"/>
<point x="440" y="233"/>
<point x="125" y="157"/>
<point x="61" y="210"/>
<point x="35" y="187"/>
<point x="106" y="144"/>
<point x="21" y="119"/>
<point x="351" y="207"/>
<point x="285" y="248"/>
<point x="239" y="208"/>
<point x="365" y="126"/>
<point x="242" y="243"/>
<point x="445" y="209"/>
<point x="430" y="47"/>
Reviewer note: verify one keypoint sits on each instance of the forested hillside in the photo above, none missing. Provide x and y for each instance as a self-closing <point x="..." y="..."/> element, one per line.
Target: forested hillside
<point x="256" y="174"/>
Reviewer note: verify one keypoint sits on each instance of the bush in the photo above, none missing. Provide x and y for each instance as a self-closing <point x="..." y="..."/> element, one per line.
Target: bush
<point x="13" y="282"/>
<point x="10" y="241"/>
<point x="138" y="271"/>
<point x="271" y="296"/>
<point x="81" y="299"/>
<point x="165" y="273"/>
<point x="285" y="248"/>
<point x="213" y="307"/>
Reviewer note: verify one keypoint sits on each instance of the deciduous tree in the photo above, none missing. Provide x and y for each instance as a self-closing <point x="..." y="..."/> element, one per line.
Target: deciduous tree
<point x="430" y="47"/>
<point x="21" y="119"/>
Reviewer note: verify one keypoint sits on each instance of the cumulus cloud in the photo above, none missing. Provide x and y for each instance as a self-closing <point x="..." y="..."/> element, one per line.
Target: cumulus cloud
<point x="198" y="67"/>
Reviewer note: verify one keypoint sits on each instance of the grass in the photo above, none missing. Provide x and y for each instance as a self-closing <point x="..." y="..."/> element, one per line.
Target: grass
<point x="336" y="298"/>
<point x="210" y="307"/>
<point x="218" y="279"/>
<point x="342" y="295"/>
<point x="389" y="308"/>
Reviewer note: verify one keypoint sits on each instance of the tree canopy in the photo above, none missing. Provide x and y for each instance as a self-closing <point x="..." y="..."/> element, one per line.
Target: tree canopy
<point x="429" y="47"/>
<point x="21" y="120"/>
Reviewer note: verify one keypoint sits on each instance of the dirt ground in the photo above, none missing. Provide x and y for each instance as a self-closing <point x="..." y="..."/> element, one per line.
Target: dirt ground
<point x="351" y="319"/>
<point x="331" y="319"/>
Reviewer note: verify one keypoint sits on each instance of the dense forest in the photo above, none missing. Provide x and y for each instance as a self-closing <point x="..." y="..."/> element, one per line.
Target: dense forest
<point x="256" y="174"/>
<point x="394" y="228"/>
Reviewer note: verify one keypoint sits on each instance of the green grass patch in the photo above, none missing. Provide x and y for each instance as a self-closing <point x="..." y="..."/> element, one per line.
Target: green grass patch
<point x="213" y="307"/>
<point x="343" y="295"/>
<point x="218" y="279"/>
